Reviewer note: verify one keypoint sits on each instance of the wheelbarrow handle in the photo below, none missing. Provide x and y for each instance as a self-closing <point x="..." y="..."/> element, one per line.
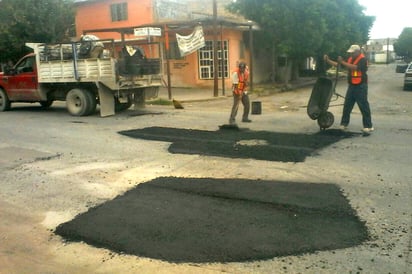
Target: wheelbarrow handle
<point x="336" y="78"/>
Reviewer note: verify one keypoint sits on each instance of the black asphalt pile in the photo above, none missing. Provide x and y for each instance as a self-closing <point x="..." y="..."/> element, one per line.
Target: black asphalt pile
<point x="220" y="220"/>
<point x="260" y="145"/>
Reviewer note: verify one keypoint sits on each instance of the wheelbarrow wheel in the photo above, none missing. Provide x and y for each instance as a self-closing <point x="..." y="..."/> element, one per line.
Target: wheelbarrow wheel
<point x="325" y="120"/>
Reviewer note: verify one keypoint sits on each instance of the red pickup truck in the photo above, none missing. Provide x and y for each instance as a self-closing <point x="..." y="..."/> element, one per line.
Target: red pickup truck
<point x="65" y="72"/>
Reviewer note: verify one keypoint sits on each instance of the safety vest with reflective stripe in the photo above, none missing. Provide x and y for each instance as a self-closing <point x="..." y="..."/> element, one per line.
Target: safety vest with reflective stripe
<point x="356" y="74"/>
<point x="242" y="79"/>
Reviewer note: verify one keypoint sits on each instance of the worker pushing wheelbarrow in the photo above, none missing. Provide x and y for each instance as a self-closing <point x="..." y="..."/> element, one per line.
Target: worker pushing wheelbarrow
<point x="319" y="101"/>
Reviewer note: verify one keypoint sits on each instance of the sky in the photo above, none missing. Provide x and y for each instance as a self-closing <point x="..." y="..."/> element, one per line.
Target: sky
<point x="391" y="17"/>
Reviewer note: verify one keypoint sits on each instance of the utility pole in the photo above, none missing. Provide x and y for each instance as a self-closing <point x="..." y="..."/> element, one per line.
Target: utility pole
<point x="215" y="59"/>
<point x="387" y="52"/>
<point x="251" y="56"/>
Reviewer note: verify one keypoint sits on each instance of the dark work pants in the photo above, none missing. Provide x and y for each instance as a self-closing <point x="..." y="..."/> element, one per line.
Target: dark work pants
<point x="246" y="107"/>
<point x="357" y="94"/>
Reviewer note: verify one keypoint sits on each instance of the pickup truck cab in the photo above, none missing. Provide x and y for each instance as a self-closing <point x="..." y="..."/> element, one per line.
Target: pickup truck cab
<point x="19" y="84"/>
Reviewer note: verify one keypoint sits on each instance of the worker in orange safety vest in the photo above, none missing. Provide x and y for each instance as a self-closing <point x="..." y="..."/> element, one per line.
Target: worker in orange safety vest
<point x="240" y="79"/>
<point x="357" y="92"/>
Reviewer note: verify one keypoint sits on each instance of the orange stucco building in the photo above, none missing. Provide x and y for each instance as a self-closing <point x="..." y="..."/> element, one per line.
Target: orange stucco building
<point x="99" y="14"/>
<point x="171" y="17"/>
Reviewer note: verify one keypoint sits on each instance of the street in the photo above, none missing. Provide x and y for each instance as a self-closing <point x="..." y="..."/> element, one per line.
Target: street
<point x="55" y="166"/>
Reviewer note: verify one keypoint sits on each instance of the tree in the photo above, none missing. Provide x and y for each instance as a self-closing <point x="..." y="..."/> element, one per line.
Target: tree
<point x="304" y="28"/>
<point x="403" y="46"/>
<point x="22" y="21"/>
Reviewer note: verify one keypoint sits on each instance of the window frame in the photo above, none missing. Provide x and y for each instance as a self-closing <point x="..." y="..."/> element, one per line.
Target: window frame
<point x="205" y="60"/>
<point x="119" y="12"/>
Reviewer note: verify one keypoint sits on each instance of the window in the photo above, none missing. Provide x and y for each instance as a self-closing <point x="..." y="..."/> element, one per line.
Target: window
<point x="118" y="12"/>
<point x="206" y="67"/>
<point x="27" y="65"/>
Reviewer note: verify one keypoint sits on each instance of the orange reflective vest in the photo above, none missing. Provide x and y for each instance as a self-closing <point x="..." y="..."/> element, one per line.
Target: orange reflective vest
<point x="240" y="87"/>
<point x="356" y="74"/>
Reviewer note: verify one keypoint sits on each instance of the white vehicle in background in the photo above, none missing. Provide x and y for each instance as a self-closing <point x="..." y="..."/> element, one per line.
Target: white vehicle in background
<point x="407" y="81"/>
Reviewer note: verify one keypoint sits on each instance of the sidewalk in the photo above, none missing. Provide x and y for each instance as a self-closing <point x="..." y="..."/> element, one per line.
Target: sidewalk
<point x="190" y="94"/>
<point x="204" y="94"/>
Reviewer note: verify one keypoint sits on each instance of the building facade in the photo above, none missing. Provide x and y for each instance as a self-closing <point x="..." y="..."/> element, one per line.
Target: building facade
<point x="380" y="50"/>
<point x="105" y="19"/>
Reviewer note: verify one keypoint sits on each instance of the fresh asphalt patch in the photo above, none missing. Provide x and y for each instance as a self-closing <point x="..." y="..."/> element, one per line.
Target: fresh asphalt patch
<point x="206" y="220"/>
<point x="242" y="143"/>
<point x="224" y="220"/>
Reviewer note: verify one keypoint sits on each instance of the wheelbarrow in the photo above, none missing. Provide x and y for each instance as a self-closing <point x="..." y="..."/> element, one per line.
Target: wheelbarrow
<point x="319" y="101"/>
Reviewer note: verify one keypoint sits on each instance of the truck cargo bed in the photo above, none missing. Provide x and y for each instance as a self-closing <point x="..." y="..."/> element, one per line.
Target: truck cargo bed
<point x="84" y="70"/>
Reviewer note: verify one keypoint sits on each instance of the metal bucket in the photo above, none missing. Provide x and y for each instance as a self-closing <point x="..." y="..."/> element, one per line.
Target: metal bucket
<point x="256" y="107"/>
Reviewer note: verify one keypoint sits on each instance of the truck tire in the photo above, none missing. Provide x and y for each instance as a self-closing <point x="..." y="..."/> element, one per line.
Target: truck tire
<point x="46" y="104"/>
<point x="4" y="101"/>
<point x="92" y="102"/>
<point x="123" y="106"/>
<point x="79" y="102"/>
